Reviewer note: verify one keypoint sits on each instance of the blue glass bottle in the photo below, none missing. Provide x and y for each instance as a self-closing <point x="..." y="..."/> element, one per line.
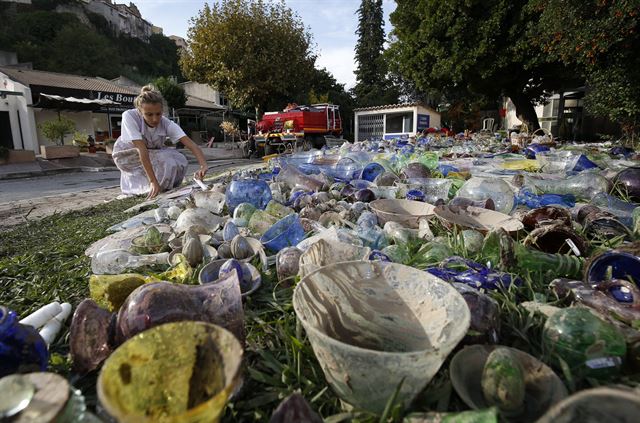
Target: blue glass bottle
<point x="584" y="163"/>
<point x="526" y="197"/>
<point x="253" y="191"/>
<point x="533" y="149"/>
<point x="620" y="208"/>
<point x="22" y="349"/>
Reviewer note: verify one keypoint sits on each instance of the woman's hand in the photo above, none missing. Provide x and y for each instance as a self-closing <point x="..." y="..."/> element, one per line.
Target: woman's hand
<point x="154" y="189"/>
<point x="199" y="155"/>
<point x="201" y="172"/>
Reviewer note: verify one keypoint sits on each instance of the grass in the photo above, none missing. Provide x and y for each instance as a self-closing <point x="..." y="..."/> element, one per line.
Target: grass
<point x="44" y="261"/>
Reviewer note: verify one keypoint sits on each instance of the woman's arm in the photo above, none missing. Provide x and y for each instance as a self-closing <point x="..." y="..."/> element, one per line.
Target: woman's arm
<point x="199" y="155"/>
<point x="154" y="186"/>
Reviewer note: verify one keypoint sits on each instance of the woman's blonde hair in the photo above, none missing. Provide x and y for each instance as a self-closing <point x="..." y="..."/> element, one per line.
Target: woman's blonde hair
<point x="148" y="95"/>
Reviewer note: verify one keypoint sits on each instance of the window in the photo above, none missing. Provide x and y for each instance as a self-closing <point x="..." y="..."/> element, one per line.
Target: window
<point x="399" y="122"/>
<point x="223" y="100"/>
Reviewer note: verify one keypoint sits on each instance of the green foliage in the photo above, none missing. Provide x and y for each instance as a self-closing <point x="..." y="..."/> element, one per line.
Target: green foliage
<point x="50" y="40"/>
<point x="4" y="152"/>
<point x="257" y="52"/>
<point x="325" y="89"/>
<point x="95" y="55"/>
<point x="472" y="49"/>
<point x="601" y="40"/>
<point x="318" y="98"/>
<point x="55" y="129"/>
<point x="80" y="139"/>
<point x="373" y="86"/>
<point x="172" y="92"/>
<point x="52" y="4"/>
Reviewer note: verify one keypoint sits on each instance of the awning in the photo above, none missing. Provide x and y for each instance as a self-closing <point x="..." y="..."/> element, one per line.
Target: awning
<point x="50" y="101"/>
<point x="5" y="93"/>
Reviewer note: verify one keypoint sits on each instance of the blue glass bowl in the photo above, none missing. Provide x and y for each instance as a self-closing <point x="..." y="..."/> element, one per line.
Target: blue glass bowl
<point x="286" y="232"/>
<point x="371" y="171"/>
<point x="623" y="265"/>
<point x="253" y="191"/>
<point x="345" y="170"/>
<point x="415" y="195"/>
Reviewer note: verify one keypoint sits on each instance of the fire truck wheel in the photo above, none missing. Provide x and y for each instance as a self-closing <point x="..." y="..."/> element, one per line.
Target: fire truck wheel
<point x="316" y="141"/>
<point x="268" y="149"/>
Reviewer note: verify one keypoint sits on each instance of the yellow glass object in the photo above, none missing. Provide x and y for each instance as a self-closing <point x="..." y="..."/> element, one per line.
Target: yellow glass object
<point x="110" y="291"/>
<point x="524" y="164"/>
<point x="180" y="272"/>
<point x="463" y="175"/>
<point x="182" y="372"/>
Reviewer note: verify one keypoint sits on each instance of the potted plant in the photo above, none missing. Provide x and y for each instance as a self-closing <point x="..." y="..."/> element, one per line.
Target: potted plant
<point x="10" y="156"/>
<point x="55" y="130"/>
<point x="80" y="140"/>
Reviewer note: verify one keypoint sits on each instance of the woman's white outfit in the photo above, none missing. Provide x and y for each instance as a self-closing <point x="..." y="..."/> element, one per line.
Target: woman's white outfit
<point x="169" y="165"/>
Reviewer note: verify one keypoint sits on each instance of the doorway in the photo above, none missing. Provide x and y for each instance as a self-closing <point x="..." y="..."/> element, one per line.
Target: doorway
<point x="6" y="136"/>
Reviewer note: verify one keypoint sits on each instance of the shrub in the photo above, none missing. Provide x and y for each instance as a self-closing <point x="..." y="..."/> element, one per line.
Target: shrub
<point x="55" y="130"/>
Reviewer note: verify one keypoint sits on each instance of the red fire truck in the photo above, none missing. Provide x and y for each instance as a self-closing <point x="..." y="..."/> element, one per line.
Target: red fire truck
<point x="298" y="126"/>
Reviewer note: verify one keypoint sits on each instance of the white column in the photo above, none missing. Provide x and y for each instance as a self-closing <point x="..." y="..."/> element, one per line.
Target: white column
<point x="384" y="124"/>
<point x="355" y="127"/>
<point x="28" y="121"/>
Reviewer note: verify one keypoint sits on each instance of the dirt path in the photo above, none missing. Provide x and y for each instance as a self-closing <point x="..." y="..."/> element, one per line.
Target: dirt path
<point x="23" y="211"/>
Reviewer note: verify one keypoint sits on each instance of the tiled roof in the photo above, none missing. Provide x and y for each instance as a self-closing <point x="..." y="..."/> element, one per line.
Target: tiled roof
<point x="390" y="106"/>
<point x="200" y="103"/>
<point x="62" y="80"/>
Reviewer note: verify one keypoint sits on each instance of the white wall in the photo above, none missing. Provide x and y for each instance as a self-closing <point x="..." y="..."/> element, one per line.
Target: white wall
<point x="202" y="91"/>
<point x="22" y="129"/>
<point x="434" y="117"/>
<point x="83" y="121"/>
<point x="511" y="119"/>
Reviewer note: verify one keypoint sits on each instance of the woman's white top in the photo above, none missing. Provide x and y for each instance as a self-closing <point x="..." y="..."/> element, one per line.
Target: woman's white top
<point x="133" y="128"/>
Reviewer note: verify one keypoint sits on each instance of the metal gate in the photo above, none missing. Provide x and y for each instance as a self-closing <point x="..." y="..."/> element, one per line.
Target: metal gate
<point x="370" y="127"/>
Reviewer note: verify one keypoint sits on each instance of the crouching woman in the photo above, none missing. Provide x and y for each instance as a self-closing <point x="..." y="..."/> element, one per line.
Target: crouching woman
<point x="147" y="166"/>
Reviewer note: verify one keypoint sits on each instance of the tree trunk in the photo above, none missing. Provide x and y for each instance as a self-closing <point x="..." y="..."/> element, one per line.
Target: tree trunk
<point x="525" y="111"/>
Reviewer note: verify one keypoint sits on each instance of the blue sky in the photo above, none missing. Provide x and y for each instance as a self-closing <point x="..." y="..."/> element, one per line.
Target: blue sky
<point x="332" y="22"/>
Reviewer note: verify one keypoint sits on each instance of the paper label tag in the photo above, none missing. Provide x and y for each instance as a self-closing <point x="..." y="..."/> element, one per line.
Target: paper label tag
<point x="201" y="184"/>
<point x="573" y="247"/>
<point x="603" y="362"/>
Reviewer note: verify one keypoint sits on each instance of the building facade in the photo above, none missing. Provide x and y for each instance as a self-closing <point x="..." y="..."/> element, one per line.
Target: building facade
<point x="124" y="19"/>
<point x="564" y="116"/>
<point x="29" y="98"/>
<point x="393" y="121"/>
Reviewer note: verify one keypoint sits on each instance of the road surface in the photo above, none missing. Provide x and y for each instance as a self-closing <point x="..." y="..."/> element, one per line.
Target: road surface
<point x="26" y="199"/>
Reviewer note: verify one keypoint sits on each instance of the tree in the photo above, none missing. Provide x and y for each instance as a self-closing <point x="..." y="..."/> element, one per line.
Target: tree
<point x="172" y="92"/>
<point x="257" y="52"/>
<point x="50" y="41"/>
<point x="55" y="129"/>
<point x="93" y="56"/>
<point x="477" y="49"/>
<point x="600" y="39"/>
<point x="325" y="89"/>
<point x="373" y="86"/>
